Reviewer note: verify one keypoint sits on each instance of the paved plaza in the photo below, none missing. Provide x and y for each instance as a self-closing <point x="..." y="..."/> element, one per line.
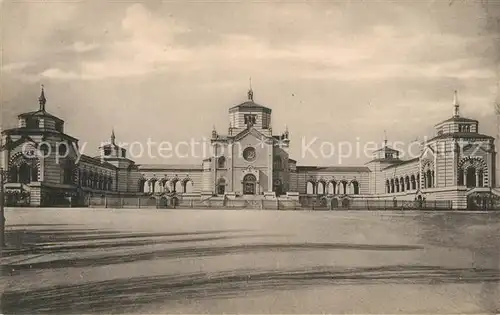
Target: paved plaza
<point x="217" y="261"/>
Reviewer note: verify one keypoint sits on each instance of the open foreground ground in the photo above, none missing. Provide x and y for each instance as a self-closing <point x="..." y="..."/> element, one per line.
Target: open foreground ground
<point x="216" y="261"/>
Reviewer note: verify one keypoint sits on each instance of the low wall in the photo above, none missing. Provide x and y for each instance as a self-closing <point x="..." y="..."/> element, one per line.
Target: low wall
<point x="190" y="202"/>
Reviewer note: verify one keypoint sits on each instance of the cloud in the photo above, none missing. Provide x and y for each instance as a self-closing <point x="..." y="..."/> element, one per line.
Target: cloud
<point x="81" y="47"/>
<point x="13" y="67"/>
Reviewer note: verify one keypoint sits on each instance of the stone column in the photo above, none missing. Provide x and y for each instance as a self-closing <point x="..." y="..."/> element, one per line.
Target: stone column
<point x="465" y="178"/>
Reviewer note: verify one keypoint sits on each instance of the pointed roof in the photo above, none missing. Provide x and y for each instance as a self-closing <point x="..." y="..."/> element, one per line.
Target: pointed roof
<point x="250" y="104"/>
<point x="42" y="100"/>
<point x="456" y="113"/>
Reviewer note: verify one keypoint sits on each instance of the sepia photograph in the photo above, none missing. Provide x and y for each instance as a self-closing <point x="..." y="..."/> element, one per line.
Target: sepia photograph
<point x="249" y="157"/>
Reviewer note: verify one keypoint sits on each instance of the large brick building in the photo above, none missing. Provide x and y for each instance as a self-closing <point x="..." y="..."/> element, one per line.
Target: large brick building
<point x="249" y="162"/>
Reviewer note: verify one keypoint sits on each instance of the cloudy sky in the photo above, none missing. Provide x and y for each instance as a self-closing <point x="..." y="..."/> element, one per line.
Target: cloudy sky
<point x="334" y="71"/>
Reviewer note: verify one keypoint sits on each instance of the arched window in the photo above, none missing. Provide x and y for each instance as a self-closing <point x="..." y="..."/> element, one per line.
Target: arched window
<point x="355" y="186"/>
<point x="471" y="177"/>
<point x="321" y="188"/>
<point x="62" y="149"/>
<point x="331" y="187"/>
<point x="24" y="173"/>
<point x="429" y="178"/>
<point x="387" y="186"/>
<point x="140" y="184"/>
<point x="396" y="184"/>
<point x="178" y="186"/>
<point x="221" y="186"/>
<point x="480" y="178"/>
<point x="310" y="188"/>
<point x="392" y="186"/>
<point x="407" y="183"/>
<point x="221" y="162"/>
<point x="344" y="187"/>
<point x="413" y="182"/>
<point x="188" y="186"/>
<point x="402" y="183"/>
<point x="110" y="183"/>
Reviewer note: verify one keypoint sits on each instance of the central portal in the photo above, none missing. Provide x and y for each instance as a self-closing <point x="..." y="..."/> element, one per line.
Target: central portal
<point x="249" y="183"/>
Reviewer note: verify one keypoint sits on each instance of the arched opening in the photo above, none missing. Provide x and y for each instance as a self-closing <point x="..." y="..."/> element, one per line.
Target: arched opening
<point x="24" y="173"/>
<point x="407" y="183"/>
<point x="152" y="185"/>
<point x="142" y="185"/>
<point x="402" y="183"/>
<point x="321" y="188"/>
<point x="188" y="186"/>
<point x="221" y="186"/>
<point x="387" y="186"/>
<point x="413" y="182"/>
<point x="178" y="186"/>
<point x="335" y="203"/>
<point x="418" y="181"/>
<point x="163" y="202"/>
<point x="332" y="187"/>
<point x="278" y="188"/>
<point x="249" y="184"/>
<point x="471" y="177"/>
<point x="344" y="187"/>
<point x="310" y="188"/>
<point x="429" y="179"/>
<point x="480" y="178"/>
<point x="355" y="187"/>
<point x="110" y="183"/>
<point x="221" y="162"/>
<point x="396" y="184"/>
<point x="392" y="186"/>
<point x="345" y="203"/>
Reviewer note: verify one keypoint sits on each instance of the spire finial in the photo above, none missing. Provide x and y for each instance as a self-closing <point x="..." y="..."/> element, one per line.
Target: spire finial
<point x="250" y="91"/>
<point x="456" y="109"/>
<point x="42" y="100"/>
<point x="113" y="136"/>
<point x="385" y="137"/>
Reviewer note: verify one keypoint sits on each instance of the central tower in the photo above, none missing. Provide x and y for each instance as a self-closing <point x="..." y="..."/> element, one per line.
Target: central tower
<point x="250" y="114"/>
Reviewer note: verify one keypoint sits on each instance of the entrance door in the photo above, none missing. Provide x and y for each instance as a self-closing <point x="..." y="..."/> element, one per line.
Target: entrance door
<point x="277" y="187"/>
<point x="249" y="183"/>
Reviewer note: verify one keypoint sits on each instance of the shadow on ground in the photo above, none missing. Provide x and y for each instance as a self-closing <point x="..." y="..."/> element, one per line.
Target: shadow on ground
<point x="134" y="294"/>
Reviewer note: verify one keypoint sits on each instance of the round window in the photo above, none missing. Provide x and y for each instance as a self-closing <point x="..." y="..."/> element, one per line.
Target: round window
<point x="249" y="154"/>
